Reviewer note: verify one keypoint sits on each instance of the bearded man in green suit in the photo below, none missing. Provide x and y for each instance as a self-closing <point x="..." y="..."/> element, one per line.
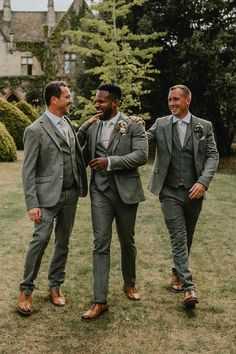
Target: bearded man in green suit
<point x="186" y="159"/>
<point x="115" y="148"/>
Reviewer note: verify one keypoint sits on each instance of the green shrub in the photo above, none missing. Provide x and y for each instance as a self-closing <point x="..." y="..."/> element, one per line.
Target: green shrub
<point x="28" y="110"/>
<point x="15" y="121"/>
<point x="7" y="145"/>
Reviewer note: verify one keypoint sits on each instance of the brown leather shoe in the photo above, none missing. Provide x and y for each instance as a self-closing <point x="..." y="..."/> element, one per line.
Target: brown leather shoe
<point x="132" y="292"/>
<point x="190" y="298"/>
<point x="25" y="304"/>
<point x="57" y="297"/>
<point x="176" y="283"/>
<point x="95" y="311"/>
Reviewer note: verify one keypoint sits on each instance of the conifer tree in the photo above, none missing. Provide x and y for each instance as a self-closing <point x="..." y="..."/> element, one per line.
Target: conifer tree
<point x="122" y="57"/>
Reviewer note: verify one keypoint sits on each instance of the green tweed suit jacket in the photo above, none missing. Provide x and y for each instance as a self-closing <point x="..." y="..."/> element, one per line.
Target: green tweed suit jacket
<point x="127" y="152"/>
<point x="43" y="164"/>
<point x="206" y="157"/>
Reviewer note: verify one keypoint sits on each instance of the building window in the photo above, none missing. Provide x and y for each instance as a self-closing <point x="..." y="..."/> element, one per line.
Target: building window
<point x="69" y="63"/>
<point x="26" y="65"/>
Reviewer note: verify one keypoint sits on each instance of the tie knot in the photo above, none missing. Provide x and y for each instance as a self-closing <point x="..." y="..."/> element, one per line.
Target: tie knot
<point x="107" y="123"/>
<point x="180" y="122"/>
<point x="63" y="122"/>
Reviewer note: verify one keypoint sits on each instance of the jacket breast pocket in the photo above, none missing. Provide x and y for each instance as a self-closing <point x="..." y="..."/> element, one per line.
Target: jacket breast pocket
<point x="124" y="146"/>
<point x="43" y="179"/>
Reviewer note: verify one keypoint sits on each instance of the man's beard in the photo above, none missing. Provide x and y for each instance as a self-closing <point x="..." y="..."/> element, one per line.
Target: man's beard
<point x="107" y="114"/>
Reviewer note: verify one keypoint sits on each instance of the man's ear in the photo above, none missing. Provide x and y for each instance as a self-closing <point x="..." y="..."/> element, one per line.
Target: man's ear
<point x="188" y="99"/>
<point x="53" y="100"/>
<point x="116" y="102"/>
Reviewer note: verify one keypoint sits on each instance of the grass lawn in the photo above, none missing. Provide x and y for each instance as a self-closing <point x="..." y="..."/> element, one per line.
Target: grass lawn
<point x="156" y="324"/>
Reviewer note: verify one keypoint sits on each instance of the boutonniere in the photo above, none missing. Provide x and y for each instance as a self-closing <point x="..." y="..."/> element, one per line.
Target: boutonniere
<point x="198" y="129"/>
<point x="121" y="127"/>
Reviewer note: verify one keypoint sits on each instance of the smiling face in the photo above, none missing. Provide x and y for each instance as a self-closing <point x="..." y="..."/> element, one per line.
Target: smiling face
<point x="63" y="103"/>
<point x="59" y="101"/>
<point x="107" y="104"/>
<point x="178" y="102"/>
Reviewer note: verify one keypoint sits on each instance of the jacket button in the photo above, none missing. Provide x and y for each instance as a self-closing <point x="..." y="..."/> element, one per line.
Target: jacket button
<point x="61" y="177"/>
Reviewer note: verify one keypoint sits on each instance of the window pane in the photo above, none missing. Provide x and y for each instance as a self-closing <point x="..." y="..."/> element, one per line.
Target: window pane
<point x="67" y="67"/>
<point x="30" y="69"/>
<point x="24" y="70"/>
<point x="72" y="66"/>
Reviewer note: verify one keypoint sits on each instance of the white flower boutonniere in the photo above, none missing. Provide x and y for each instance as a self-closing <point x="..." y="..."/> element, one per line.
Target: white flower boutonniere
<point x="121" y="127"/>
<point x="198" y="129"/>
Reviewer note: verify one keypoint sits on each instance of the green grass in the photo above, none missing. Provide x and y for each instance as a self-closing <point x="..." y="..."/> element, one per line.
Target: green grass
<point x="157" y="324"/>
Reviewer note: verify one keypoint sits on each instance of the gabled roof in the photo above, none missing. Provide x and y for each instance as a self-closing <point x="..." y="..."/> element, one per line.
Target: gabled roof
<point x="25" y="23"/>
<point x="29" y="26"/>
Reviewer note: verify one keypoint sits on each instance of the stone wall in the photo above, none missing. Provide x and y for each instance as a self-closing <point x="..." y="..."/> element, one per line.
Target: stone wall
<point x="10" y="64"/>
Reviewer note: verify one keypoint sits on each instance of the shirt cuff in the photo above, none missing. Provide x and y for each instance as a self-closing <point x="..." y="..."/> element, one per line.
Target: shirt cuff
<point x="109" y="164"/>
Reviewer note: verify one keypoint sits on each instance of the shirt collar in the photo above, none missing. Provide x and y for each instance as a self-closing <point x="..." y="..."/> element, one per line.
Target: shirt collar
<point x="186" y="119"/>
<point x="55" y="119"/>
<point x="114" y="119"/>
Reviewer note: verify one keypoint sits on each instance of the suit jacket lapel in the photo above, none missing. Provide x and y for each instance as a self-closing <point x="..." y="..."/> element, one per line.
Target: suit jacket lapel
<point x="71" y="130"/>
<point x="195" y="139"/>
<point x="47" y="126"/>
<point x="168" y="132"/>
<point x="94" y="137"/>
<point x="115" y="136"/>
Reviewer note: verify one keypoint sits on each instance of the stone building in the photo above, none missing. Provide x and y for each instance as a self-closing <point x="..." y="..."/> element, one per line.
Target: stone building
<point x="34" y="49"/>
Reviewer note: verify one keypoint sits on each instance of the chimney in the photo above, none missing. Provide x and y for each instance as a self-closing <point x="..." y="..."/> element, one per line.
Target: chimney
<point x="51" y="16"/>
<point x="77" y="4"/>
<point x="7" y="15"/>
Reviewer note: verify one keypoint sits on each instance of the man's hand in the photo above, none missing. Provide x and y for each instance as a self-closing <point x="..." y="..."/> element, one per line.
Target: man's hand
<point x="35" y="215"/>
<point x="96" y="117"/>
<point x="99" y="164"/>
<point x="137" y="119"/>
<point x="197" y="191"/>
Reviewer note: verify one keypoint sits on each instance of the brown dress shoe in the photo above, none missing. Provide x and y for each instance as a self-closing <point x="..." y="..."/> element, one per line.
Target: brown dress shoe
<point x="190" y="298"/>
<point x="57" y="297"/>
<point x="176" y="283"/>
<point x="131" y="292"/>
<point x="25" y="304"/>
<point x="95" y="311"/>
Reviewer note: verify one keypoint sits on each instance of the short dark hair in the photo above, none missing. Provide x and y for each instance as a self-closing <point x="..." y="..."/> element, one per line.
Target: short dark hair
<point x="184" y="88"/>
<point x="114" y="90"/>
<point x="53" y="88"/>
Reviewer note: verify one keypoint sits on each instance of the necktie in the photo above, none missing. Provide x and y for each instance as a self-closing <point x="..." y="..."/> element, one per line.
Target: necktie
<point x="181" y="131"/>
<point x="65" y="127"/>
<point x="106" y="133"/>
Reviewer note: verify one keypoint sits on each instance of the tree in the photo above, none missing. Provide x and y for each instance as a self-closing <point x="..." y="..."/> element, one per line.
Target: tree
<point x="119" y="56"/>
<point x="7" y="146"/>
<point x="14" y="120"/>
<point x="199" y="51"/>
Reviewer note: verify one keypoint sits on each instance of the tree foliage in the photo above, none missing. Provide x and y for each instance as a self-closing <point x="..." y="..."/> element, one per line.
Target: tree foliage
<point x="199" y="51"/>
<point x="118" y="55"/>
<point x="27" y="109"/>
<point x="15" y="121"/>
<point x="7" y="146"/>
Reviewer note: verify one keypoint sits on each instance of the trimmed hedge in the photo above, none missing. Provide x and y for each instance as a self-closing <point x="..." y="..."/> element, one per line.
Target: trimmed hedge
<point x="15" y="121"/>
<point x="7" y="145"/>
<point x="28" y="110"/>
